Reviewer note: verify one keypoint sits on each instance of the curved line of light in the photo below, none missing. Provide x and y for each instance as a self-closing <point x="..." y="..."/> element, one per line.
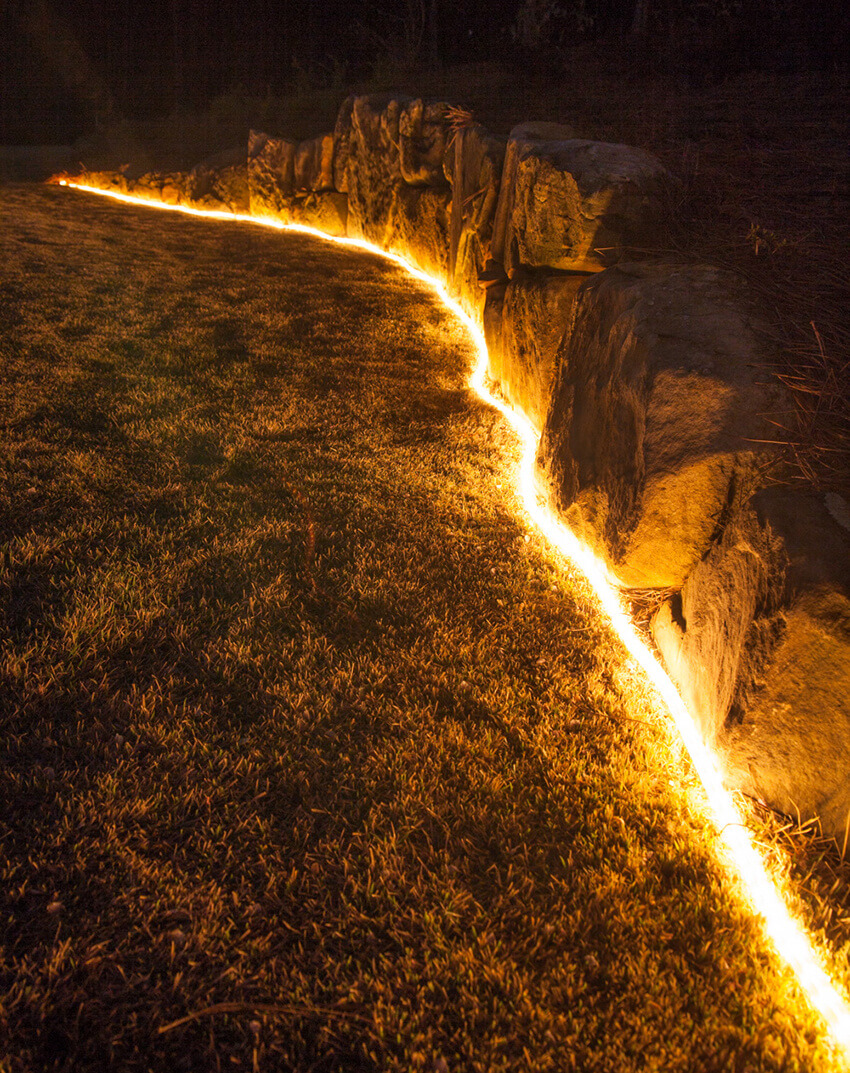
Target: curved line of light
<point x="741" y="856"/>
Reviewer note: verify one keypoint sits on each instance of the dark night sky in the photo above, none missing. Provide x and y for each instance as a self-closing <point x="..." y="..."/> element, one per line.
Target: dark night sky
<point x="66" y="63"/>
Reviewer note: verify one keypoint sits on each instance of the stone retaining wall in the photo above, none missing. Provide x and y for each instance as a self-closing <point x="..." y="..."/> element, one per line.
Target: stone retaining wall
<point x="646" y="382"/>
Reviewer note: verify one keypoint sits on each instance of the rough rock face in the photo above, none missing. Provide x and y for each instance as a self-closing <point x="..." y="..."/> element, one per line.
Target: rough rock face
<point x="174" y="188"/>
<point x="536" y="311"/>
<point x="373" y="168"/>
<point x="718" y="633"/>
<point x="758" y="642"/>
<point x="422" y="142"/>
<point x="646" y="445"/>
<point x="224" y="188"/>
<point x="271" y="173"/>
<point x="473" y="164"/>
<point x="419" y="228"/>
<point x="314" y="164"/>
<point x="578" y="204"/>
<point x="327" y="212"/>
<point x="522" y="135"/>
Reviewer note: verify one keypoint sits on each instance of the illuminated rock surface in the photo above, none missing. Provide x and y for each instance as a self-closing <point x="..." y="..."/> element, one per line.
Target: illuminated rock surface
<point x="314" y="164"/>
<point x="422" y="142"/>
<point x="326" y="212"/>
<point x="342" y="144"/>
<point x="523" y="340"/>
<point x="521" y="136"/>
<point x="647" y="441"/>
<point x="373" y="168"/>
<point x="271" y="172"/>
<point x="222" y="188"/>
<point x="759" y="644"/>
<point x="419" y="227"/>
<point x="473" y="164"/>
<point x="580" y="204"/>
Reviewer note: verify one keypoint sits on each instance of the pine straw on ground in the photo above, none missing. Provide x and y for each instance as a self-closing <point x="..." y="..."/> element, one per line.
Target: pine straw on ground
<point x="312" y="756"/>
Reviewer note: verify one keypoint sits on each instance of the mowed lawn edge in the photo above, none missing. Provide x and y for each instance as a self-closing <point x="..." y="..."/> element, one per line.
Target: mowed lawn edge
<point x="297" y="714"/>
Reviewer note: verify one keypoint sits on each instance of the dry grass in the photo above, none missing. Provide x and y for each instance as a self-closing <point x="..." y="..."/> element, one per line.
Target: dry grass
<point x="312" y="758"/>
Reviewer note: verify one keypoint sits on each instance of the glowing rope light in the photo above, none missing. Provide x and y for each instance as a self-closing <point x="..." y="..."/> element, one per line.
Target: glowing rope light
<point x="787" y="934"/>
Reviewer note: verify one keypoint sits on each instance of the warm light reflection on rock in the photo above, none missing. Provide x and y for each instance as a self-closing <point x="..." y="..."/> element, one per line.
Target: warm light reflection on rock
<point x="735" y="842"/>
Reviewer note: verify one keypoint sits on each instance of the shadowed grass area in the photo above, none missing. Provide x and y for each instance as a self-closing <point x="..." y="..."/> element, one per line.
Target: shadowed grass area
<point x="300" y="727"/>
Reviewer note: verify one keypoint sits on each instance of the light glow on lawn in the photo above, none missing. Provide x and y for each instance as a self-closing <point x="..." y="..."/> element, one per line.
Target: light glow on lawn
<point x="738" y="850"/>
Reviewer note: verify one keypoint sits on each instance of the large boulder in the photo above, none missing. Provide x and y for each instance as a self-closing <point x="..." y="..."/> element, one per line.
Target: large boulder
<point x="758" y="643"/>
<point x="314" y="164"/>
<point x="523" y="344"/>
<point x="271" y="173"/>
<point x="419" y="228"/>
<point x="470" y="261"/>
<point x="579" y="204"/>
<point x="373" y="167"/>
<point x="650" y="438"/>
<point x="521" y="136"/>
<point x="423" y="133"/>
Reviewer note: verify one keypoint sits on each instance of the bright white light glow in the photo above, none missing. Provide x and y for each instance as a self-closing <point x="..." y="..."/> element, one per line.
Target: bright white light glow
<point x="741" y="855"/>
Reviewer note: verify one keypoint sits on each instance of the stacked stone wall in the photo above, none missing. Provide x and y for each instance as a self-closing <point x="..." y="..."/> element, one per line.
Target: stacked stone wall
<point x="644" y="379"/>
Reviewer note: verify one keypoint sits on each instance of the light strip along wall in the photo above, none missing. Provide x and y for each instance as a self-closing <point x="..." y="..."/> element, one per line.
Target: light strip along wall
<point x="736" y="848"/>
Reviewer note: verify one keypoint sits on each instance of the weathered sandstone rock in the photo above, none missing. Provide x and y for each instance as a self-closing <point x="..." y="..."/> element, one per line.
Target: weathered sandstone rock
<point x="225" y="189"/>
<point x="718" y="633"/>
<point x="327" y="212"/>
<point x="470" y="260"/>
<point x="473" y="163"/>
<point x="422" y="142"/>
<point x="758" y="642"/>
<point x="536" y="313"/>
<point x="373" y="168"/>
<point x="522" y="135"/>
<point x="647" y="443"/>
<point x="271" y="173"/>
<point x="174" y="188"/>
<point x="491" y="323"/>
<point x="314" y="164"/>
<point x="419" y="227"/>
<point x="578" y="204"/>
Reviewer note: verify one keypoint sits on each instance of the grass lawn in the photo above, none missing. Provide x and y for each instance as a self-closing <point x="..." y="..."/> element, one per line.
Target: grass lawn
<point x="302" y="731"/>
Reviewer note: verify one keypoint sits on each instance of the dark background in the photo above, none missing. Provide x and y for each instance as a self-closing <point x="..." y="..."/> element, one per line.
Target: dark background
<point x="67" y="66"/>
